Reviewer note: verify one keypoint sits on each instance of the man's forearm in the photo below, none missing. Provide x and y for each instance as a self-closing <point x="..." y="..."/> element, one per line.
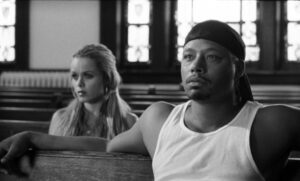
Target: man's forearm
<point x="51" y="142"/>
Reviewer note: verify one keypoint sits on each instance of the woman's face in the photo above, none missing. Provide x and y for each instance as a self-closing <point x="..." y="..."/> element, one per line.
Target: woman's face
<point x="86" y="80"/>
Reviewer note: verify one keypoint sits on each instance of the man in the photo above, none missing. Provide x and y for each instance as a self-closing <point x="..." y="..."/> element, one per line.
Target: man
<point x="219" y="134"/>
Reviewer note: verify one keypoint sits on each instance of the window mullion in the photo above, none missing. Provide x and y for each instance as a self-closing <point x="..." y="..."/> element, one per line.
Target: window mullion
<point x="160" y="35"/>
<point x="268" y="35"/>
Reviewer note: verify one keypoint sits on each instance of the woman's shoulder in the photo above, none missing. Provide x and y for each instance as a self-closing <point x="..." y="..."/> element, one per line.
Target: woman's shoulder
<point x="131" y="119"/>
<point x="58" y="114"/>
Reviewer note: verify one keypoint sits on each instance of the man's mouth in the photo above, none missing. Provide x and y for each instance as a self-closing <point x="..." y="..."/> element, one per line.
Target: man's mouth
<point x="196" y="80"/>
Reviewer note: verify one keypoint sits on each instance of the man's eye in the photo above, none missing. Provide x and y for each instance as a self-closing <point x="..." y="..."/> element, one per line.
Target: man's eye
<point x="213" y="58"/>
<point x="187" y="57"/>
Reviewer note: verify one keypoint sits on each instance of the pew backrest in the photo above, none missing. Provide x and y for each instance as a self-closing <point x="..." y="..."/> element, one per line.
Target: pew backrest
<point x="11" y="127"/>
<point x="26" y="113"/>
<point x="92" y="166"/>
<point x="87" y="166"/>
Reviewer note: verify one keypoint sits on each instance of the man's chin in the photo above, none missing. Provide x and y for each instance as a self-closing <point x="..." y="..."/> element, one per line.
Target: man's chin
<point x="198" y="96"/>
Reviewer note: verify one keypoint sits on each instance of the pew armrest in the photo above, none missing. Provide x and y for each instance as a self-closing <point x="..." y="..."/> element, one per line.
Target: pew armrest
<point x="82" y="165"/>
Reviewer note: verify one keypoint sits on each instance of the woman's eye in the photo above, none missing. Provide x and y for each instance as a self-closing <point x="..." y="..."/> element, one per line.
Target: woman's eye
<point x="74" y="76"/>
<point x="88" y="76"/>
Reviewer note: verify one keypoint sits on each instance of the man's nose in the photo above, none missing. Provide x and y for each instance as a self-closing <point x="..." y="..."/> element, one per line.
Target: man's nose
<point x="199" y="64"/>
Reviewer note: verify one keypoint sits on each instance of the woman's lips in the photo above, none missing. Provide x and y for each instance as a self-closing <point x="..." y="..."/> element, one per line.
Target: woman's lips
<point x="81" y="93"/>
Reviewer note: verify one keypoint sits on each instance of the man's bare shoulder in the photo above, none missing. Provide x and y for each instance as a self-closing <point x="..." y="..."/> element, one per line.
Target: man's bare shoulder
<point x="279" y="112"/>
<point x="156" y="114"/>
<point x="151" y="122"/>
<point x="278" y="117"/>
<point x="158" y="110"/>
<point x="274" y="133"/>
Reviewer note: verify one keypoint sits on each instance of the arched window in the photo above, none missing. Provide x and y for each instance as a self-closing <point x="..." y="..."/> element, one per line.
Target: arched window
<point x="138" y="26"/>
<point x="150" y="49"/>
<point x="293" y="31"/>
<point x="7" y="30"/>
<point x="240" y="15"/>
<point x="13" y="34"/>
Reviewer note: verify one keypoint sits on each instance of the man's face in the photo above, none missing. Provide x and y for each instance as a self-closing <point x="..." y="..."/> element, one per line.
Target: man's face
<point x="207" y="71"/>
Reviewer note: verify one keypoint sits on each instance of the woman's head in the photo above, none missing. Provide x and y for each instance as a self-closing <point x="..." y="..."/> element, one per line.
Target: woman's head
<point x="93" y="73"/>
<point x="95" y="77"/>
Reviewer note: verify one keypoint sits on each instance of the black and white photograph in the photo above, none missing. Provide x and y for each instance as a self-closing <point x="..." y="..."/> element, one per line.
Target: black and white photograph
<point x="149" y="90"/>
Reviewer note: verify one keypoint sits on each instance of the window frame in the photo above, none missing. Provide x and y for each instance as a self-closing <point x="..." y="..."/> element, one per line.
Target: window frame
<point x="114" y="35"/>
<point x="21" y="39"/>
<point x="272" y="68"/>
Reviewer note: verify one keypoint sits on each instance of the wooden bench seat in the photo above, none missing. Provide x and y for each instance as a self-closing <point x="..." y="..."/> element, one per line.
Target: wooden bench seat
<point x="92" y="166"/>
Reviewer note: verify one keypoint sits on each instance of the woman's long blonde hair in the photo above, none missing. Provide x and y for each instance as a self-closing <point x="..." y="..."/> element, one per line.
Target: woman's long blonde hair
<point x="113" y="107"/>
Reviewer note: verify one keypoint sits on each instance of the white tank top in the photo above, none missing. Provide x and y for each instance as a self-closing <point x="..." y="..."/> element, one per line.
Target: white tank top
<point x="221" y="155"/>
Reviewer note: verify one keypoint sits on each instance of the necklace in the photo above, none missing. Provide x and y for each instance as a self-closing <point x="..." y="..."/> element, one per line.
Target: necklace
<point x="94" y="125"/>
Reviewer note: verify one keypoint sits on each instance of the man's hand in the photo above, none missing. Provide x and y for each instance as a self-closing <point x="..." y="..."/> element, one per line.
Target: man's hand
<point x="12" y="148"/>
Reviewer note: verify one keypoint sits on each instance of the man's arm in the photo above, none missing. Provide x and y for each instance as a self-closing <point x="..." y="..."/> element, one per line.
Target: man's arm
<point x="130" y="141"/>
<point x="16" y="145"/>
<point x="144" y="132"/>
<point x="286" y="123"/>
<point x="142" y="137"/>
<point x="275" y="132"/>
<point x="293" y="115"/>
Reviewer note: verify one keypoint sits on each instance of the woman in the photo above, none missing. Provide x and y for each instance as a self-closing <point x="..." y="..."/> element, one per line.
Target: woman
<point x="97" y="110"/>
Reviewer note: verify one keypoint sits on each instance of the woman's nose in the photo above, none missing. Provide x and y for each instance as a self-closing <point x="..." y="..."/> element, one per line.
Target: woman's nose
<point x="80" y="82"/>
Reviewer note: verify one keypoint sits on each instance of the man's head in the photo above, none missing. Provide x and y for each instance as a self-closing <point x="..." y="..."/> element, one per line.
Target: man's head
<point x="228" y="45"/>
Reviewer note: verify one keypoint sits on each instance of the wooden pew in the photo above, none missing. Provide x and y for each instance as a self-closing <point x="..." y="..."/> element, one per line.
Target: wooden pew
<point x="124" y="90"/>
<point x="26" y="95"/>
<point x="27" y="103"/>
<point x="11" y="127"/>
<point x="155" y="98"/>
<point x="44" y="103"/>
<point x="139" y="97"/>
<point x="135" y="101"/>
<point x="26" y="113"/>
<point x="34" y="114"/>
<point x="36" y="90"/>
<point x="292" y="170"/>
<point x="92" y="166"/>
<point x="87" y="166"/>
<point x="264" y="94"/>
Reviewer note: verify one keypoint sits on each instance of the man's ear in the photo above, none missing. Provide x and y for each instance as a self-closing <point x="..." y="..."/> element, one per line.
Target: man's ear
<point x="240" y="68"/>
